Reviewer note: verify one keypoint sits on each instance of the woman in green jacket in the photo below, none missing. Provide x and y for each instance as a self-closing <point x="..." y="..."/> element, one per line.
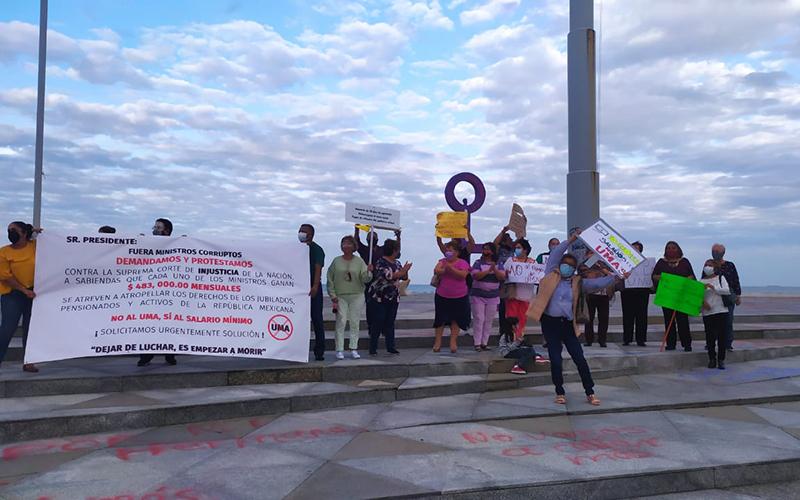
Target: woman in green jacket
<point x="347" y="278"/>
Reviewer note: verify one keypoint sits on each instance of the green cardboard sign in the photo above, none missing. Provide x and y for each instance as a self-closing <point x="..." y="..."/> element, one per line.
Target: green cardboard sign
<point x="681" y="294"/>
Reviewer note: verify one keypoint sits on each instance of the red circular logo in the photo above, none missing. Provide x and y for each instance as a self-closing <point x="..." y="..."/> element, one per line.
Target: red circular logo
<point x="280" y="327"/>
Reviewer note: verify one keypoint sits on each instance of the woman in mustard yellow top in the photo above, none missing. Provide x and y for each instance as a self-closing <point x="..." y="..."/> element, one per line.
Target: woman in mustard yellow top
<point x="16" y="285"/>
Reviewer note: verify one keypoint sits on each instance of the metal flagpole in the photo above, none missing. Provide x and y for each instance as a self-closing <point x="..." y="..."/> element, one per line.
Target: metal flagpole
<point x="37" y="177"/>
<point x="583" y="181"/>
<point x="370" y="237"/>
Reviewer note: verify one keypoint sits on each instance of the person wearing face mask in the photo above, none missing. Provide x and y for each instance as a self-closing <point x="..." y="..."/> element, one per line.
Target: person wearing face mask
<point x="727" y="269"/>
<point x="452" y="296"/>
<point x="17" y="266"/>
<point x="161" y="227"/>
<point x="555" y="307"/>
<point x="505" y="250"/>
<point x="551" y="245"/>
<point x="715" y="313"/>
<point x="347" y="276"/>
<point x="487" y="274"/>
<point x="316" y="261"/>
<point x="384" y="295"/>
<point x="519" y="294"/>
<point x="674" y="262"/>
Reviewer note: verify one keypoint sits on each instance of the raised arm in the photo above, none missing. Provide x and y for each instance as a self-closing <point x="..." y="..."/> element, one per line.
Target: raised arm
<point x="594" y="284"/>
<point x="499" y="237"/>
<point x="440" y="243"/>
<point x="555" y="256"/>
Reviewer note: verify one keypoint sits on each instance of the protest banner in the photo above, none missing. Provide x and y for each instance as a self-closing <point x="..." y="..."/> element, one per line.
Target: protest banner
<point x="642" y="275"/>
<point x="377" y="217"/>
<point x="524" y="272"/>
<point x="611" y="247"/>
<point x="114" y="294"/>
<point x="451" y="224"/>
<point x="680" y="294"/>
<point x="517" y="222"/>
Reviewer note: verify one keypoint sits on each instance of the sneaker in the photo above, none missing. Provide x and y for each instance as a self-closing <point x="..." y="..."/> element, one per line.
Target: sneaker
<point x="319" y="357"/>
<point x="518" y="371"/>
<point x="355" y="354"/>
<point x="541" y="360"/>
<point x="339" y="355"/>
<point x="641" y="344"/>
<point x="393" y="351"/>
<point x="721" y="365"/>
<point x="712" y="363"/>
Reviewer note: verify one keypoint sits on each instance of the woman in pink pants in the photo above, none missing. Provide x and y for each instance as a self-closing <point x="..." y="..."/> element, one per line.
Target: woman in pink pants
<point x="487" y="274"/>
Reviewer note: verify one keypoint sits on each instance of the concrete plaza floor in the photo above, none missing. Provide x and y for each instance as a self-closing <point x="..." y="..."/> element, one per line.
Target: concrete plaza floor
<point x="655" y="434"/>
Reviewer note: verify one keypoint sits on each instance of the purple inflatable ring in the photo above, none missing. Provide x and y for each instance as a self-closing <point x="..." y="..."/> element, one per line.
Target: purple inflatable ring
<point x="472" y="180"/>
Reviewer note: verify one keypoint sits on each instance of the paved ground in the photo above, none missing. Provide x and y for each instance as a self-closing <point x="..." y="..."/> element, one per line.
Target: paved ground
<point x="654" y="434"/>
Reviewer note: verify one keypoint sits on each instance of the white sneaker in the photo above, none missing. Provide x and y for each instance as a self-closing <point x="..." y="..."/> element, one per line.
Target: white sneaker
<point x="339" y="355"/>
<point x="355" y="354"/>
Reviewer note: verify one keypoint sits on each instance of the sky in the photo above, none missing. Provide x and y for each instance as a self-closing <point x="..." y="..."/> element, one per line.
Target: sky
<point x="242" y="119"/>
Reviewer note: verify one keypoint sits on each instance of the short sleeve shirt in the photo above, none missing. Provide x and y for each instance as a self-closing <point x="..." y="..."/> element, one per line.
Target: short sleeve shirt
<point x="453" y="287"/>
<point x="315" y="256"/>
<point x="383" y="288"/>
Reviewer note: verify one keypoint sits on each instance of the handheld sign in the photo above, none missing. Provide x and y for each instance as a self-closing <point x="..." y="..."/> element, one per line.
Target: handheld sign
<point x="642" y="275"/>
<point x="680" y="294"/>
<point x="451" y="224"/>
<point x="524" y="272"/>
<point x="611" y="247"/>
<point x="517" y="221"/>
<point x="377" y="217"/>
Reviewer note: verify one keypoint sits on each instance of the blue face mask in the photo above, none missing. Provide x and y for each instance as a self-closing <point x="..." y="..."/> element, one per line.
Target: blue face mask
<point x="566" y="270"/>
<point x="517" y="252"/>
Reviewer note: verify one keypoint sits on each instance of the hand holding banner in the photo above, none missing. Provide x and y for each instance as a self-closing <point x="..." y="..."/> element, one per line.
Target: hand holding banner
<point x="451" y="225"/>
<point x="610" y="246"/>
<point x="680" y="294"/>
<point x="517" y="221"/>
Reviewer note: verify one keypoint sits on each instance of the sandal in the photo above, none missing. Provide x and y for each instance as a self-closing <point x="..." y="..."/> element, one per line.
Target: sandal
<point x="593" y="400"/>
<point x="437" y="349"/>
<point x="561" y="399"/>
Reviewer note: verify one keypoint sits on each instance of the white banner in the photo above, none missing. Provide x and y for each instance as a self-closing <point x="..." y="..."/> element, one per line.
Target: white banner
<point x="108" y="294"/>
<point x="611" y="247"/>
<point x="381" y="218"/>
<point x="642" y="276"/>
<point x="524" y="272"/>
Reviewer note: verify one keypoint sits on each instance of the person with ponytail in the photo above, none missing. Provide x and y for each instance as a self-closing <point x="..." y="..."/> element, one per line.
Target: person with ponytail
<point x="17" y="265"/>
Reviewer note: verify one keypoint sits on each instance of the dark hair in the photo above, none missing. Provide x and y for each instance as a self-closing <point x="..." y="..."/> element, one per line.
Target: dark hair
<point x="26" y="228"/>
<point x="389" y="247"/>
<point x="454" y="244"/>
<point x="639" y="244"/>
<point x="308" y="226"/>
<point x="680" y="250"/>
<point x="167" y="225"/>
<point x="524" y="244"/>
<point x="569" y="256"/>
<point x="349" y="238"/>
<point x="493" y="248"/>
<point x="107" y="229"/>
<point x="552" y="240"/>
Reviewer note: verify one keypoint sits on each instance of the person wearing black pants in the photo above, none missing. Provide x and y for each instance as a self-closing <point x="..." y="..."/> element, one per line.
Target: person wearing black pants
<point x="162" y="227"/>
<point x="384" y="296"/>
<point x="634" y="315"/>
<point x="675" y="263"/>
<point x="715" y="314"/>
<point x="598" y="305"/>
<point x="316" y="260"/>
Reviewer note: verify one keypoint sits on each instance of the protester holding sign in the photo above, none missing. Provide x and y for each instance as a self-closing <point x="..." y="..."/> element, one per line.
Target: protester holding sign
<point x="505" y="250"/>
<point x="519" y="294"/>
<point x="316" y="257"/>
<point x="347" y="276"/>
<point x="555" y="306"/>
<point x="162" y="227"/>
<point x="17" y="266"/>
<point x="635" y="299"/>
<point x="372" y="241"/>
<point x="384" y="296"/>
<point x="675" y="263"/>
<point x="715" y="314"/>
<point x="727" y="269"/>
<point x="487" y="274"/>
<point x="451" y="299"/>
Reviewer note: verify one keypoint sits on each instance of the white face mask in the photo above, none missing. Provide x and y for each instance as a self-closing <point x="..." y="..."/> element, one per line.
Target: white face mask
<point x="303" y="237"/>
<point x="709" y="270"/>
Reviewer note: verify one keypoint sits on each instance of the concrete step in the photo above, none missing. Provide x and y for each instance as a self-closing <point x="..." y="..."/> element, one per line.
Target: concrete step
<point x="37" y="417"/>
<point x="420" y="338"/>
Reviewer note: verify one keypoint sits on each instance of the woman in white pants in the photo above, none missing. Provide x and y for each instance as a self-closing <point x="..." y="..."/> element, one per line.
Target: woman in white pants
<point x="347" y="278"/>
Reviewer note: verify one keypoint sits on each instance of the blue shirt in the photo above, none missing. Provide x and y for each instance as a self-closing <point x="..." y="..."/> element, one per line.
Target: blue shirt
<point x="560" y="305"/>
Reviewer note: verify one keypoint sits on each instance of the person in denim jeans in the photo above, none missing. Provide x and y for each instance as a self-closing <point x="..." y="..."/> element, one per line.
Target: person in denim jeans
<point x="727" y="269"/>
<point x="17" y="266"/>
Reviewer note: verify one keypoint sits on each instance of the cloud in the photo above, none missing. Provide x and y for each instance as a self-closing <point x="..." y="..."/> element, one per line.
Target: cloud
<point x="426" y="14"/>
<point x="488" y="11"/>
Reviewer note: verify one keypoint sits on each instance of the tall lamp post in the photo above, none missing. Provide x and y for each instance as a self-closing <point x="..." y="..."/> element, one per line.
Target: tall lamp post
<point x="37" y="178"/>
<point x="583" y="181"/>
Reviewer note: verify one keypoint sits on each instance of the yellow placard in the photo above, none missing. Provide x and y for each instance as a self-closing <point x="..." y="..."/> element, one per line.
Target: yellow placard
<point x="451" y="224"/>
<point x="363" y="227"/>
